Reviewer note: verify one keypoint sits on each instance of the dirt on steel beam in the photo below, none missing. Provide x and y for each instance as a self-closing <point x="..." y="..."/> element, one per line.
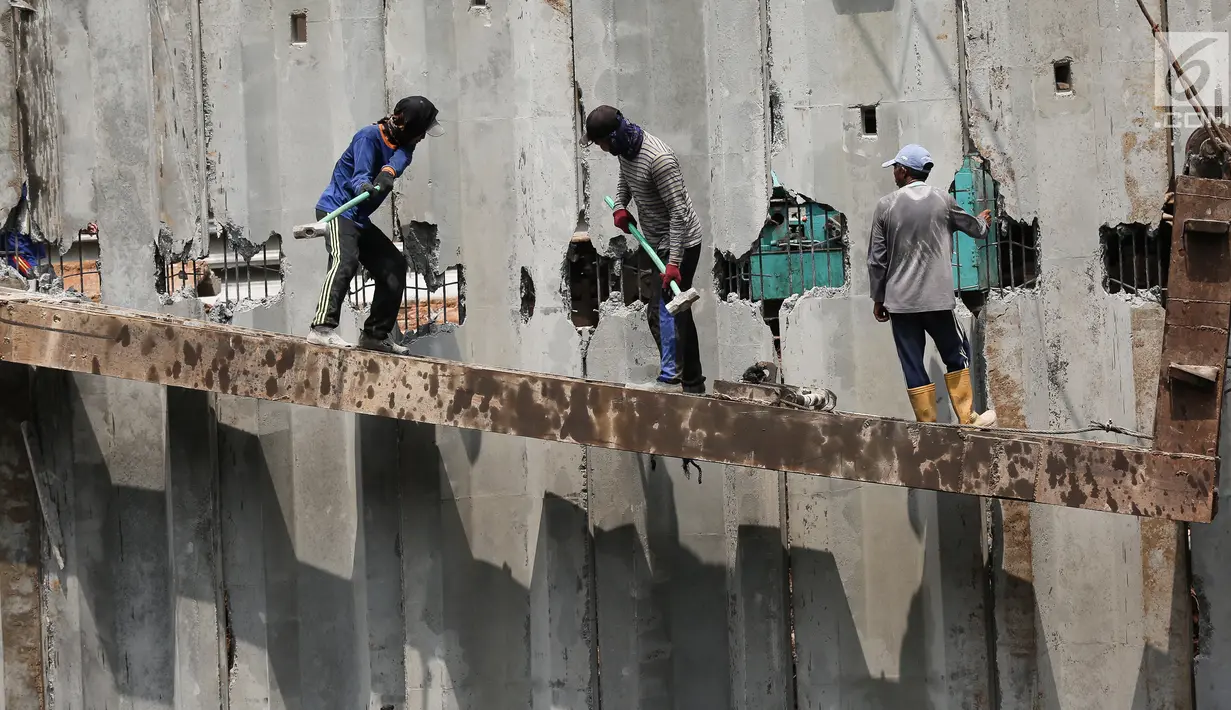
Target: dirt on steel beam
<point x="238" y="361"/>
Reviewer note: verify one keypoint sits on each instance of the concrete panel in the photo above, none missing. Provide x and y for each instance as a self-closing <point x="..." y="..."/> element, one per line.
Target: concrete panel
<point x="690" y="566"/>
<point x="192" y="475"/>
<point x="11" y="172"/>
<point x="761" y="663"/>
<point x="831" y="58"/>
<point x="178" y="123"/>
<point x="690" y="73"/>
<point x="887" y="584"/>
<point x="495" y="566"/>
<point x="32" y="125"/>
<point x="21" y="657"/>
<point x="1077" y="161"/>
<point x="62" y="614"/>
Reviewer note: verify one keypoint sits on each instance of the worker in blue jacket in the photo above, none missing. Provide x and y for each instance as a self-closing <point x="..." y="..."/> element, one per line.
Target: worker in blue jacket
<point x="377" y="155"/>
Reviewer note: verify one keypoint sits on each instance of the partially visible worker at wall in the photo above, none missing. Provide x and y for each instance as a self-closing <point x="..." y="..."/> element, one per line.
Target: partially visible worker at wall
<point x="911" y="273"/>
<point x="650" y="175"/>
<point x="377" y="155"/>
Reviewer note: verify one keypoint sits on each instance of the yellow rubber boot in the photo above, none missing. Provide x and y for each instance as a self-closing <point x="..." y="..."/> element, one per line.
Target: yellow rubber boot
<point x="963" y="400"/>
<point x="923" y="400"/>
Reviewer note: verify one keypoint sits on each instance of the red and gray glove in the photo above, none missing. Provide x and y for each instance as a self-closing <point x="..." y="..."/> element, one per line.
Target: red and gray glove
<point x="671" y="273"/>
<point x="623" y="219"/>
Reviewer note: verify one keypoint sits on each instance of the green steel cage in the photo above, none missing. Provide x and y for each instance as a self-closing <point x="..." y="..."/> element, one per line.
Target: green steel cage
<point x="976" y="262"/>
<point x="805" y="250"/>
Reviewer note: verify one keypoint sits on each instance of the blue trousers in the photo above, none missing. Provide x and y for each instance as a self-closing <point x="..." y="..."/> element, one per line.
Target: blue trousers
<point x="666" y="328"/>
<point x="947" y="335"/>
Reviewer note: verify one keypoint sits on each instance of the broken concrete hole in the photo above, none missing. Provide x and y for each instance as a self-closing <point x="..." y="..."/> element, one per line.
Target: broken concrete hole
<point x="801" y="248"/>
<point x="590" y="278"/>
<point x="527" y="295"/>
<point x="29" y="260"/>
<point x="432" y="303"/>
<point x="230" y="274"/>
<point x="1136" y="259"/>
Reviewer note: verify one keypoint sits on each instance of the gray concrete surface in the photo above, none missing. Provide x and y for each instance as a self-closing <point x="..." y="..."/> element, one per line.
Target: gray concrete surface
<point x="228" y="553"/>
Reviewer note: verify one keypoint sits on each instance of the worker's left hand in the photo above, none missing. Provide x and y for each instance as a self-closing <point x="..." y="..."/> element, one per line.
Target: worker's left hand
<point x="985" y="216"/>
<point x="879" y="312"/>
<point x="671" y="273"/>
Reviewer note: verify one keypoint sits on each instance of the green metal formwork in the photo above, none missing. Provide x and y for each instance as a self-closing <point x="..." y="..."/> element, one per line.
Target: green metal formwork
<point x="975" y="261"/>
<point x="800" y="254"/>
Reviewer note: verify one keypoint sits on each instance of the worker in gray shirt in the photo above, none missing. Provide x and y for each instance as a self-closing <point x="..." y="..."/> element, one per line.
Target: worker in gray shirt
<point x="911" y="272"/>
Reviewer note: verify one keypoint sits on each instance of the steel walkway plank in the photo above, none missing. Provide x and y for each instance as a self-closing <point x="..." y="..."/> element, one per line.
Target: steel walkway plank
<point x="44" y="332"/>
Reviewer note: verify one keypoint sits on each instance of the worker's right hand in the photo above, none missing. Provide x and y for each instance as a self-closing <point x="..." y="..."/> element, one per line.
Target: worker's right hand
<point x="368" y="188"/>
<point x="985" y="216"/>
<point x="879" y="312"/>
<point x="623" y="219"/>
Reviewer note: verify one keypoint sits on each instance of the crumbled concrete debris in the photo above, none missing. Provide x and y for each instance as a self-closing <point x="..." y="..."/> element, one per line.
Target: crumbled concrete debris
<point x="615" y="306"/>
<point x="789" y="304"/>
<point x="12" y="278"/>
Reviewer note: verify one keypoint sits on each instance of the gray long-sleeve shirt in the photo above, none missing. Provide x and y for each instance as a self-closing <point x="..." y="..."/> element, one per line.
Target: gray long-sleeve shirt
<point x="665" y="213"/>
<point x="910" y="262"/>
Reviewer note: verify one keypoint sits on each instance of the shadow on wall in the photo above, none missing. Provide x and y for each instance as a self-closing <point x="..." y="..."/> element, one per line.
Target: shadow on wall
<point x="860" y="7"/>
<point x="667" y="643"/>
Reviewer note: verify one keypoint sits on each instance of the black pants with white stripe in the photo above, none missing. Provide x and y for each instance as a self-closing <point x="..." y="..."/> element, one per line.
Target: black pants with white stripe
<point x="349" y="246"/>
<point x="687" y="348"/>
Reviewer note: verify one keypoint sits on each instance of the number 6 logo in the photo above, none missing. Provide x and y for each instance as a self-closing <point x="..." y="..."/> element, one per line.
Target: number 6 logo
<point x="1205" y="58"/>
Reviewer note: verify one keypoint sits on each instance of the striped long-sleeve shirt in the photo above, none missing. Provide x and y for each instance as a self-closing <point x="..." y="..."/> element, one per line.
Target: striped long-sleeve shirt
<point x="664" y="211"/>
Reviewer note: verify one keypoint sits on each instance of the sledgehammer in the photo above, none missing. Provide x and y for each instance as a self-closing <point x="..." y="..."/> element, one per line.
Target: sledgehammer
<point x="682" y="301"/>
<point x="321" y="228"/>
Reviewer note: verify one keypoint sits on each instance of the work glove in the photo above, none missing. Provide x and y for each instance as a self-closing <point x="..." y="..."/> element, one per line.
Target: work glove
<point x="382" y="185"/>
<point x="671" y="273"/>
<point x="623" y="219"/>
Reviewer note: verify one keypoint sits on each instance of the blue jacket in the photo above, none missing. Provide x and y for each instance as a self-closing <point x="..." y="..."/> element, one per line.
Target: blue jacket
<point x="369" y="152"/>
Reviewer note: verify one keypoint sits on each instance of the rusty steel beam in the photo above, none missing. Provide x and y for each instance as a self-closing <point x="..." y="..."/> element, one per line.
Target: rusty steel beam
<point x="172" y="351"/>
<point x="1191" y="378"/>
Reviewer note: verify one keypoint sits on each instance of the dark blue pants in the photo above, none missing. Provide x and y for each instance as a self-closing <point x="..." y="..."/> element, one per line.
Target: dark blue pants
<point x="947" y="334"/>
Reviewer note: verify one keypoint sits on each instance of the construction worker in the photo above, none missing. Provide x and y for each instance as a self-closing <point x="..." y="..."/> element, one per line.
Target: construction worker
<point x="911" y="274"/>
<point x="377" y="155"/>
<point x="650" y="174"/>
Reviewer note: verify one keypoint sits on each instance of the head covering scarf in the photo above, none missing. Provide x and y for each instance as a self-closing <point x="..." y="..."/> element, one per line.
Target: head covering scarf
<point x="607" y="123"/>
<point x="626" y="139"/>
<point x="413" y="116"/>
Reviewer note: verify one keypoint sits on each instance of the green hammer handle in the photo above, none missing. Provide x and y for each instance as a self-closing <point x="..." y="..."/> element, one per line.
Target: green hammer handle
<point x="645" y="245"/>
<point x="334" y="215"/>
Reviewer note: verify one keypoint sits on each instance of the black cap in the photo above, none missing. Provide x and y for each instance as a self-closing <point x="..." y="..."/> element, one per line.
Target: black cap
<point x="418" y="116"/>
<point x="601" y="122"/>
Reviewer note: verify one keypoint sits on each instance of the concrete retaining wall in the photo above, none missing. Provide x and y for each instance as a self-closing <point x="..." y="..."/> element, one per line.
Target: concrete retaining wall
<point x="230" y="553"/>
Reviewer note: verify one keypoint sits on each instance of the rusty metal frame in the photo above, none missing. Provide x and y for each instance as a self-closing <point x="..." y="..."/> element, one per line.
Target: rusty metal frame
<point x="1191" y="383"/>
<point x="113" y="342"/>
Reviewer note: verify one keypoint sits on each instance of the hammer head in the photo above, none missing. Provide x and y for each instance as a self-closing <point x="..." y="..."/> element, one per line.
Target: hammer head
<point x="311" y="231"/>
<point x="683" y="301"/>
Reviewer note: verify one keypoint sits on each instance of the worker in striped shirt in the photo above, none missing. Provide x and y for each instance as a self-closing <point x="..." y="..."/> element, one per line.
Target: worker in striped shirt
<point x="650" y="175"/>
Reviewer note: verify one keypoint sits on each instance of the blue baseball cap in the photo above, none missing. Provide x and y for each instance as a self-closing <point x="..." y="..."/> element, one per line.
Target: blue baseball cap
<point x="912" y="156"/>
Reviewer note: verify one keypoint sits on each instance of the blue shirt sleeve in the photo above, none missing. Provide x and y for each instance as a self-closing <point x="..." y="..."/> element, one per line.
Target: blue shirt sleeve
<point x="399" y="161"/>
<point x="364" y="154"/>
